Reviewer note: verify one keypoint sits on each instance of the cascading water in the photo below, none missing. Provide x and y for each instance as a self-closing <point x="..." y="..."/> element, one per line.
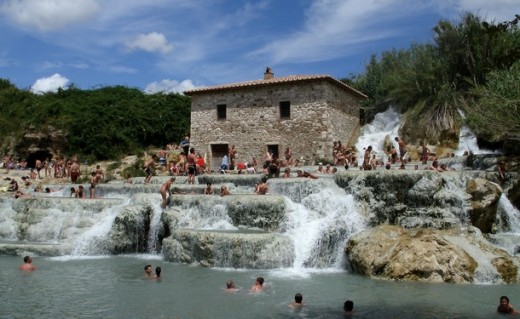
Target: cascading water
<point x="96" y="241"/>
<point x="320" y="217"/>
<point x="320" y="227"/>
<point x="155" y="224"/>
<point x="468" y="141"/>
<point x="508" y="236"/>
<point x="374" y="133"/>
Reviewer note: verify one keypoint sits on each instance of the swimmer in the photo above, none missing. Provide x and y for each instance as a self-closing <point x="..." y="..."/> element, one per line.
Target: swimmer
<point x="348" y="307"/>
<point x="505" y="307"/>
<point x="230" y="286"/>
<point x="298" y="301"/>
<point x="27" y="264"/>
<point x="148" y="272"/>
<point x="258" y="286"/>
<point x="157" y="272"/>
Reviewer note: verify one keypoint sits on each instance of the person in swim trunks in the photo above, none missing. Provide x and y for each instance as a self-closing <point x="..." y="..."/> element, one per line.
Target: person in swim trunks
<point x="93" y="180"/>
<point x="191" y="166"/>
<point x="149" y="168"/>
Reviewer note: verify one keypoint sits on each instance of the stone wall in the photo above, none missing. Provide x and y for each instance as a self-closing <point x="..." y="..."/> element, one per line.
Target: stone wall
<point x="320" y="113"/>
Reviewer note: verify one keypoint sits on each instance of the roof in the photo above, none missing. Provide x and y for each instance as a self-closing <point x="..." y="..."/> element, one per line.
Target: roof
<point x="274" y="81"/>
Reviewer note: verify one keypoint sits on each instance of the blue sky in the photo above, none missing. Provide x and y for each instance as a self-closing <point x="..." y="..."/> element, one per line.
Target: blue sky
<point x="174" y="45"/>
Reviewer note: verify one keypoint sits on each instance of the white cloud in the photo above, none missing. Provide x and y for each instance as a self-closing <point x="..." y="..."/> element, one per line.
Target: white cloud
<point x="50" y="84"/>
<point x="335" y="28"/>
<point x="49" y="15"/>
<point x="151" y="42"/>
<point x="169" y="86"/>
<point x="496" y="10"/>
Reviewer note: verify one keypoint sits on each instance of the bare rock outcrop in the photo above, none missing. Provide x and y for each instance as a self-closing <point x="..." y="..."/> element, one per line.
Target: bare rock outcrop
<point x="455" y="256"/>
<point x="484" y="201"/>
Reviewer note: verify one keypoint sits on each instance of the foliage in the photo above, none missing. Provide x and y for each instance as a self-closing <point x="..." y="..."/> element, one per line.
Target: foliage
<point x="99" y="124"/>
<point x="431" y="82"/>
<point x="497" y="113"/>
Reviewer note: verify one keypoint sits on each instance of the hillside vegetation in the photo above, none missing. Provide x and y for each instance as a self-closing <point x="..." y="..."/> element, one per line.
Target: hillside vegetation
<point x="472" y="68"/>
<point x="97" y="124"/>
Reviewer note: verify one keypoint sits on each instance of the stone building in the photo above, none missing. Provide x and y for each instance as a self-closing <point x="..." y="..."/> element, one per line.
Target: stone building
<point x="304" y="112"/>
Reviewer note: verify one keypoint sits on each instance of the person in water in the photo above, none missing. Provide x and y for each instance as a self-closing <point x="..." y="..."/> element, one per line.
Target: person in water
<point x="148" y="271"/>
<point x="157" y="272"/>
<point x="348" y="307"/>
<point x="505" y="307"/>
<point x="27" y="264"/>
<point x="298" y="301"/>
<point x="230" y="286"/>
<point x="258" y="285"/>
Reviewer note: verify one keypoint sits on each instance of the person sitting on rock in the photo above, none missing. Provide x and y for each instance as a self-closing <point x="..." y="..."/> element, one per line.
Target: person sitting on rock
<point x="224" y="191"/>
<point x="306" y="174"/>
<point x="13" y="186"/>
<point x="209" y="189"/>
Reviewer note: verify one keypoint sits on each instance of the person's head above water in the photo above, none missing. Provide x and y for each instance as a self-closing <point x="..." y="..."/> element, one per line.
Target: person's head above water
<point x="348" y="305"/>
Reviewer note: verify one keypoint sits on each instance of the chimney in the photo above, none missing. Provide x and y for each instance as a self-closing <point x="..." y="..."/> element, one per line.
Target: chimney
<point x="268" y="74"/>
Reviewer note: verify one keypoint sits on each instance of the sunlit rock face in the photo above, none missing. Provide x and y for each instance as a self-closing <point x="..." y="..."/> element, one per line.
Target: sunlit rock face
<point x="484" y="202"/>
<point x="424" y="199"/>
<point x="393" y="252"/>
<point x="257" y="250"/>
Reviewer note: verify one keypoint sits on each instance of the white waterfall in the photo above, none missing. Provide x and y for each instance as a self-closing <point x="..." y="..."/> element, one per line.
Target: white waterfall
<point x="468" y="141"/>
<point x="155" y="224"/>
<point x="320" y="227"/>
<point x="95" y="240"/>
<point x="374" y="133"/>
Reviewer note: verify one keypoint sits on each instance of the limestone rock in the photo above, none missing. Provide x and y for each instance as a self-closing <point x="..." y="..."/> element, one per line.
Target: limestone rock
<point x="238" y="249"/>
<point x="129" y="233"/>
<point x="393" y="252"/>
<point x="484" y="201"/>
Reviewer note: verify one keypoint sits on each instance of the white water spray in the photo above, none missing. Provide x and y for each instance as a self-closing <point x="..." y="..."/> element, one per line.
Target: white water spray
<point x="374" y="133"/>
<point x="320" y="227"/>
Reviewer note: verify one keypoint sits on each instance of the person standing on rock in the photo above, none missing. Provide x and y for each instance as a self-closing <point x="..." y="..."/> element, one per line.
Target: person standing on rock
<point x="149" y="168"/>
<point x="191" y="166"/>
<point x="402" y="148"/>
<point x="38" y="166"/>
<point x="165" y="188"/>
<point x="366" y="158"/>
<point x="93" y="183"/>
<point x="74" y="172"/>
<point x="99" y="174"/>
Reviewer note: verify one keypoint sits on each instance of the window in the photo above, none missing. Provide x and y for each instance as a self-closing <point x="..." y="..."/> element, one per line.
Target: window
<point x="285" y="110"/>
<point x="221" y="112"/>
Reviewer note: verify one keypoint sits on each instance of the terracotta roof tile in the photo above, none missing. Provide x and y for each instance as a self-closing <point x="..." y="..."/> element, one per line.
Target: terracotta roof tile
<point x="274" y="81"/>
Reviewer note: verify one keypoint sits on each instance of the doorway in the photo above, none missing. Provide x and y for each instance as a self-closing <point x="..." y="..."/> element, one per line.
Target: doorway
<point x="217" y="152"/>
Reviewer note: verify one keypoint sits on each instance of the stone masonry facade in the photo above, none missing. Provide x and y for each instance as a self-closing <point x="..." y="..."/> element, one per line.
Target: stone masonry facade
<point x="255" y="119"/>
